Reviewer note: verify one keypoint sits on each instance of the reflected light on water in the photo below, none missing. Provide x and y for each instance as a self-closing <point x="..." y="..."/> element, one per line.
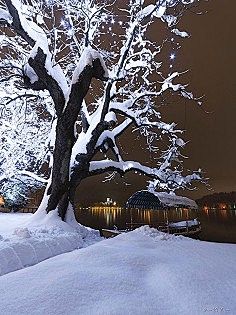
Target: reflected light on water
<point x="223" y="213"/>
<point x="109" y="214"/>
<point x="217" y="225"/>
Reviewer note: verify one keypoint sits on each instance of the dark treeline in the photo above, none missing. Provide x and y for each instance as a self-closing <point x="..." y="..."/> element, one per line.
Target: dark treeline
<point x="217" y="198"/>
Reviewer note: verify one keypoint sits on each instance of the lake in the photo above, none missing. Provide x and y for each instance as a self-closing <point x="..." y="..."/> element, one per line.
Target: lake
<point x="217" y="225"/>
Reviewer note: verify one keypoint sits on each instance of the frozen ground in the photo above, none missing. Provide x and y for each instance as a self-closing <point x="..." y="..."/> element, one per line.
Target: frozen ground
<point x="141" y="272"/>
<point x="24" y="243"/>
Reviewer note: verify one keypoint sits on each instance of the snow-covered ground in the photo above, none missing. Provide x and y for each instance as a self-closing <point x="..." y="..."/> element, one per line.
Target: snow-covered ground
<point x="141" y="272"/>
<point x="24" y="243"/>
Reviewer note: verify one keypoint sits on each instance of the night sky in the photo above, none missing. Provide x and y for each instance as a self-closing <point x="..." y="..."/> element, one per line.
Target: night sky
<point x="210" y="54"/>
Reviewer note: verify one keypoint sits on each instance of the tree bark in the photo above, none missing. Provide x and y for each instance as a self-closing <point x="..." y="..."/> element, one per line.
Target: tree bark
<point x="61" y="188"/>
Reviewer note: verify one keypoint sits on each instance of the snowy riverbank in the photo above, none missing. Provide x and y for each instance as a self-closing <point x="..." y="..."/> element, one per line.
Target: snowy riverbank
<point x="141" y="272"/>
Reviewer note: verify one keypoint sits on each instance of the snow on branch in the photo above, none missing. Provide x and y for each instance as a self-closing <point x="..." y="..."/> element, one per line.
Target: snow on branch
<point x="41" y="71"/>
<point x="5" y="16"/>
<point x="34" y="176"/>
<point x="87" y="58"/>
<point x="91" y="64"/>
<point x="164" y="178"/>
<point x="54" y="51"/>
<point x="100" y="167"/>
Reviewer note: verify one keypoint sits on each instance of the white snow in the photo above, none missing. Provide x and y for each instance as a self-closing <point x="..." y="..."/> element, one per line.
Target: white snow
<point x="122" y="165"/>
<point x="141" y="272"/>
<point x="179" y="33"/>
<point x="29" y="71"/>
<point x="146" y="11"/>
<point x="160" y="11"/>
<point x="80" y="146"/>
<point x="87" y="58"/>
<point x="27" y="239"/>
<point x="172" y="200"/>
<point x="34" y="176"/>
<point x="10" y="221"/>
<point x="41" y="41"/>
<point x="4" y="15"/>
<point x="184" y="223"/>
<point x="110" y="116"/>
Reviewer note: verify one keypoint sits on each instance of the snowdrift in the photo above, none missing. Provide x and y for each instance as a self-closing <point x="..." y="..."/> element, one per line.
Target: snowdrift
<point x="136" y="273"/>
<point x="23" y="243"/>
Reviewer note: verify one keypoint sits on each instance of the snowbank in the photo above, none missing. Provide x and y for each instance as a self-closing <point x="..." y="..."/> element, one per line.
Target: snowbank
<point x="141" y="272"/>
<point x="23" y="244"/>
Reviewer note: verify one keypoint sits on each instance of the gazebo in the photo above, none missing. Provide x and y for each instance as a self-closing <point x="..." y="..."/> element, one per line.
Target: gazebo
<point x="145" y="199"/>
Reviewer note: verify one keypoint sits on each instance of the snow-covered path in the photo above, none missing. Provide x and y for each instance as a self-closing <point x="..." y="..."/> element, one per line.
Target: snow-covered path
<point x="142" y="272"/>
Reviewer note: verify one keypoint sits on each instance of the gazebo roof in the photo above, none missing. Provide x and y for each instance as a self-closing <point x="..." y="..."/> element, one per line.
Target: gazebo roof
<point x="144" y="199"/>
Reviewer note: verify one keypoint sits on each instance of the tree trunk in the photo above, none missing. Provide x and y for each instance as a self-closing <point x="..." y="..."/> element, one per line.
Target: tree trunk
<point x="61" y="191"/>
<point x="60" y="174"/>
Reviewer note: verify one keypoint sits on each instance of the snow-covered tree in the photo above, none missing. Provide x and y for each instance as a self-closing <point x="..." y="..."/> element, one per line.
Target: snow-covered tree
<point x="23" y="151"/>
<point x="96" y="64"/>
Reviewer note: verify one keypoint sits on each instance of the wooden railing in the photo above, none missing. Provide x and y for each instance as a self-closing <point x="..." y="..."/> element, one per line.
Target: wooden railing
<point x="23" y="210"/>
<point x="28" y="210"/>
<point x="4" y="210"/>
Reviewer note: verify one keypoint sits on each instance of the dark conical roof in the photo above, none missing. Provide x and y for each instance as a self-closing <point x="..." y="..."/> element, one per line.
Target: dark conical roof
<point x="144" y="199"/>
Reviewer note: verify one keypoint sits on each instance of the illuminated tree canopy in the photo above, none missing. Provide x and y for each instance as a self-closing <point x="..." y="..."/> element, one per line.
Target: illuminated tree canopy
<point x="76" y="74"/>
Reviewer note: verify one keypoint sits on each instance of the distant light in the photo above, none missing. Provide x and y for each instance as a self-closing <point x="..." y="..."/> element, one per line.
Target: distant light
<point x="171" y="66"/>
<point x="172" y="56"/>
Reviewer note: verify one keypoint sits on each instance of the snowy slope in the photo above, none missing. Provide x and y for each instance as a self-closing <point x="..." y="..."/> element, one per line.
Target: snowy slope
<point x="141" y="272"/>
<point x="23" y="243"/>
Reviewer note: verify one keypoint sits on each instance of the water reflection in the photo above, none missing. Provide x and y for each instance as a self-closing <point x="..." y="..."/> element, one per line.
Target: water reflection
<point x="110" y="215"/>
<point x="217" y="225"/>
<point x="106" y="217"/>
